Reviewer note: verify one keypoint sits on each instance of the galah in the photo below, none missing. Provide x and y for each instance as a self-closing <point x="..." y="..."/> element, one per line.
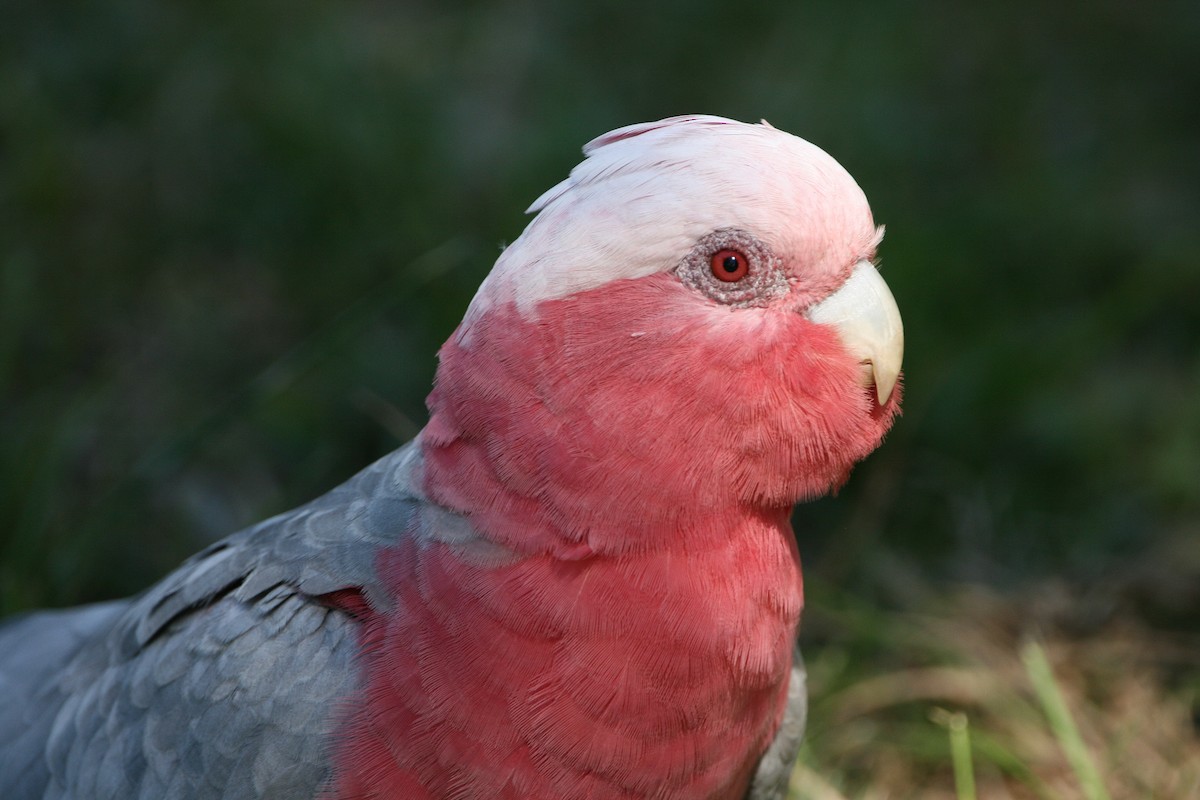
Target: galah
<point x="580" y="579"/>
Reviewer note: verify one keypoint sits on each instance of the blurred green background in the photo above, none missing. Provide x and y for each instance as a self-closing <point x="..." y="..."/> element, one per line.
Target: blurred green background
<point x="233" y="234"/>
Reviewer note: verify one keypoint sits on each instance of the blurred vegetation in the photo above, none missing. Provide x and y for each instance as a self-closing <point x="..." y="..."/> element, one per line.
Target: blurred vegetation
<point x="232" y="236"/>
<point x="1082" y="717"/>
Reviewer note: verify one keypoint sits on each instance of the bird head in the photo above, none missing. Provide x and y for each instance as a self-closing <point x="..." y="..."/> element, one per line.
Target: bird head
<point x="693" y="320"/>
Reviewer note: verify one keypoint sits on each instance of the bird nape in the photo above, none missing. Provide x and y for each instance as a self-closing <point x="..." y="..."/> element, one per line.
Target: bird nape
<point x="580" y="579"/>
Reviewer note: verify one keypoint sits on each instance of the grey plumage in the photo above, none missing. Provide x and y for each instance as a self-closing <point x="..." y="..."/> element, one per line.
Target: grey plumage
<point x="226" y="679"/>
<point x="223" y="680"/>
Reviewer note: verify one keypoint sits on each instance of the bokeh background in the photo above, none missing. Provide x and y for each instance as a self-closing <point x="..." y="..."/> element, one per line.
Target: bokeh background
<point x="233" y="235"/>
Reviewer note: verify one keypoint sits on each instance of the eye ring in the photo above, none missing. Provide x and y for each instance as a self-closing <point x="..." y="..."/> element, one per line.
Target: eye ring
<point x="762" y="280"/>
<point x="729" y="265"/>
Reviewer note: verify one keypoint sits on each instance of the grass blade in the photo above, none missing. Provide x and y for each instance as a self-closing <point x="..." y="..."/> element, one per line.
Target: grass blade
<point x="1061" y="722"/>
<point x="960" y="751"/>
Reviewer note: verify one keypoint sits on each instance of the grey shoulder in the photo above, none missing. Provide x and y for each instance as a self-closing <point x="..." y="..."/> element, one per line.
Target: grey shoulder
<point x="223" y="680"/>
<point x="233" y="700"/>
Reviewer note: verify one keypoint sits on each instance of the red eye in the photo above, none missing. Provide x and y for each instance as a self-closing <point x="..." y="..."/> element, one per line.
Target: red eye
<point x="729" y="265"/>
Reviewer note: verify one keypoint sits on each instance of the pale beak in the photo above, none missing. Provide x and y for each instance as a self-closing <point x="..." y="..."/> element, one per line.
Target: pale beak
<point x="868" y="322"/>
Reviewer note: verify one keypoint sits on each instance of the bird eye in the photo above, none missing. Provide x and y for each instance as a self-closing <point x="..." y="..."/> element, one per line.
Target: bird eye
<point x="729" y="265"/>
<point x="735" y="268"/>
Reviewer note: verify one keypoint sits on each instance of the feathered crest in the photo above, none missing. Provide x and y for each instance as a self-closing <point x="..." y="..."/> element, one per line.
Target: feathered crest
<point x="589" y="170"/>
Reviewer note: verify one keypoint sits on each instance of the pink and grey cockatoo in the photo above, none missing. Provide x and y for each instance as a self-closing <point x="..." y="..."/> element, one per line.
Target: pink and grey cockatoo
<point x="580" y="579"/>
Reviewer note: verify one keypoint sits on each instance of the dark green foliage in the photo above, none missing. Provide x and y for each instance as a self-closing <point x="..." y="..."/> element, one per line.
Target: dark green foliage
<point x="232" y="236"/>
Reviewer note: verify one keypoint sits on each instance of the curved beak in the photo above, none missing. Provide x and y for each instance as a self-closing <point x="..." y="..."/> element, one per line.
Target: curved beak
<point x="868" y="322"/>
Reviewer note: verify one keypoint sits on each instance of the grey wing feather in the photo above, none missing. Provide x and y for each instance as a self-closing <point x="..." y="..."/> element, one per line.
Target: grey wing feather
<point x="222" y="681"/>
<point x="323" y="546"/>
<point x="33" y="646"/>
<point x="775" y="768"/>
